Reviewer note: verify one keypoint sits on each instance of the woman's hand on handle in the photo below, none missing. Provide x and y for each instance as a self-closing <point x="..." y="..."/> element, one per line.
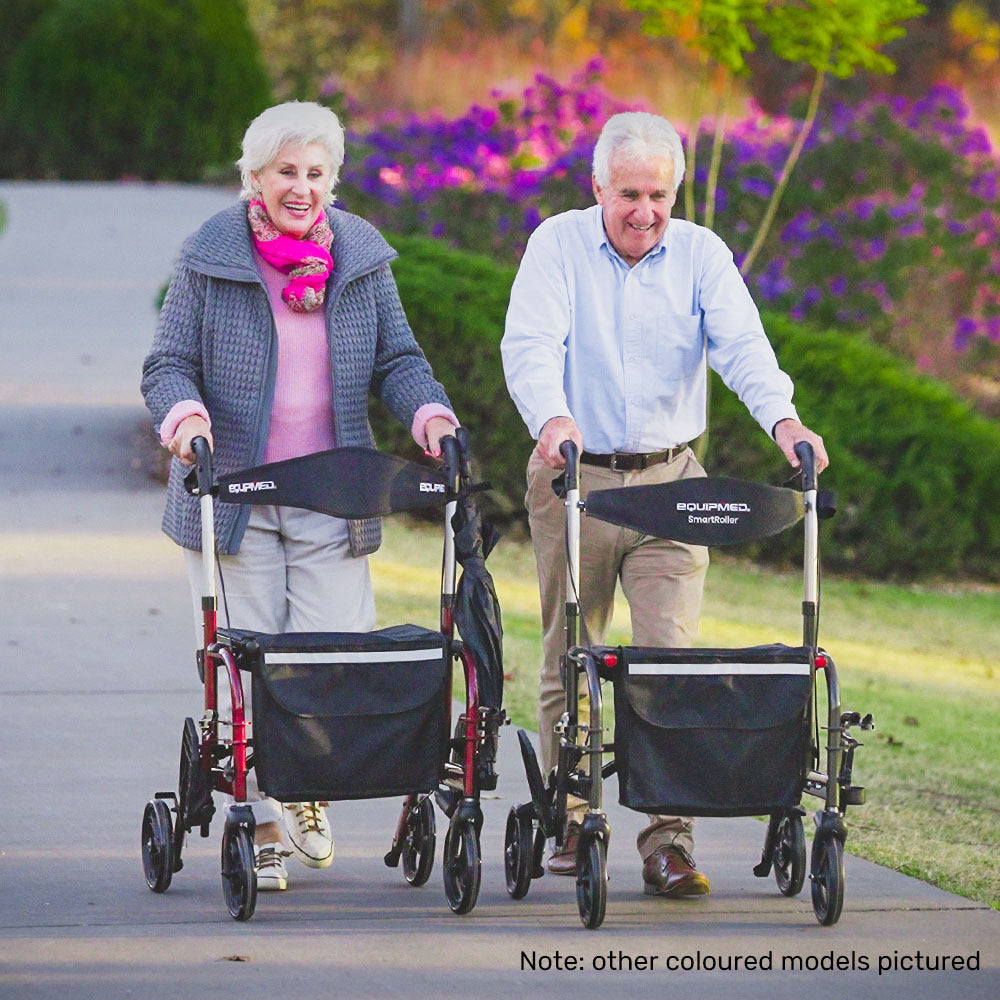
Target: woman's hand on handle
<point x="437" y="428"/>
<point x="187" y="430"/>
<point x="788" y="433"/>
<point x="554" y="432"/>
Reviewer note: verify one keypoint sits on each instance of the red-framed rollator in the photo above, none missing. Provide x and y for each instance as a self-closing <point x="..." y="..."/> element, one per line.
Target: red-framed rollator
<point x="345" y="715"/>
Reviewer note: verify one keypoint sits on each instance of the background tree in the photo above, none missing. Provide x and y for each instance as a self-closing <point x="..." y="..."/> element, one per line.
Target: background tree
<point x="718" y="32"/>
<point x="833" y="37"/>
<point x="312" y="46"/>
<point x="101" y="89"/>
<point x="945" y="42"/>
<point x="19" y="16"/>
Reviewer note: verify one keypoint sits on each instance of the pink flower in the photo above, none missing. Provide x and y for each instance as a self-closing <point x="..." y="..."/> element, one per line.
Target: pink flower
<point x="392" y="176"/>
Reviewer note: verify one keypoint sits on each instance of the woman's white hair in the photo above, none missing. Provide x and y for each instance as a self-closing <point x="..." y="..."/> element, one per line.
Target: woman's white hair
<point x="637" y="135"/>
<point x="296" y="123"/>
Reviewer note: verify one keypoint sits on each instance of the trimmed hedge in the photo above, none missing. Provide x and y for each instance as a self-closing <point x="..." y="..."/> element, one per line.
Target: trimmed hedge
<point x="913" y="465"/>
<point x="100" y="89"/>
<point x="456" y="303"/>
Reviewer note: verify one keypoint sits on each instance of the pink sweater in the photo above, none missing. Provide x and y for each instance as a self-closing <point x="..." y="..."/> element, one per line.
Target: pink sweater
<point x="302" y="417"/>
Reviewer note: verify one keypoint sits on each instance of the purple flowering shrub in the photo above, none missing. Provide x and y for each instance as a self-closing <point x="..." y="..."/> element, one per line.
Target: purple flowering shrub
<point x="889" y="224"/>
<point x="484" y="181"/>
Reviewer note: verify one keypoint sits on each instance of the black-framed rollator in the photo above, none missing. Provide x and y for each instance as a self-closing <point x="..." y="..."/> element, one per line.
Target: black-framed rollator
<point x="345" y="715"/>
<point x="699" y="732"/>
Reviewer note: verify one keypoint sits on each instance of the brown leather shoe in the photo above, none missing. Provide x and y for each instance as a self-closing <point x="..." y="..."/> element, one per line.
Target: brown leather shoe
<point x="669" y="871"/>
<point x="562" y="860"/>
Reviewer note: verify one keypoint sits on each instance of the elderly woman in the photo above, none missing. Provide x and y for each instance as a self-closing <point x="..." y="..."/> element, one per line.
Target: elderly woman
<point x="281" y="316"/>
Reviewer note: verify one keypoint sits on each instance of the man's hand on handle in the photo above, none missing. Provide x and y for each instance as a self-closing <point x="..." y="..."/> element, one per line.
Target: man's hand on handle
<point x="554" y="432"/>
<point x="788" y="433"/>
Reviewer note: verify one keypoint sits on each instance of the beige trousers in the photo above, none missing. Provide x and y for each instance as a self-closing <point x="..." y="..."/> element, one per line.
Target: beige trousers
<point x="294" y="573"/>
<point x="662" y="582"/>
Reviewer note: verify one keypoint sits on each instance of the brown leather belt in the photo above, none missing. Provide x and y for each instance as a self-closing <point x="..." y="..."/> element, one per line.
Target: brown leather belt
<point x="623" y="462"/>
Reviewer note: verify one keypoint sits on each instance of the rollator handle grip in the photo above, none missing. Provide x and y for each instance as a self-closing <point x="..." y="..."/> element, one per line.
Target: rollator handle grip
<point x="203" y="465"/>
<point x="451" y="461"/>
<point x="570" y="454"/>
<point x="462" y="437"/>
<point x="807" y="464"/>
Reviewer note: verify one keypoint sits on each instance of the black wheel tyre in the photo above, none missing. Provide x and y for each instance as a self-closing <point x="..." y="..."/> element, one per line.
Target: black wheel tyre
<point x="592" y="883"/>
<point x="418" y="847"/>
<point x="194" y="791"/>
<point x="827" y="878"/>
<point x="157" y="845"/>
<point x="790" y="856"/>
<point x="239" y="876"/>
<point x="538" y="854"/>
<point x="518" y="854"/>
<point x="462" y="866"/>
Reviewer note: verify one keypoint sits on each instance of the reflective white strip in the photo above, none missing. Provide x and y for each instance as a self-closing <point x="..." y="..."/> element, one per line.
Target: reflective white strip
<point x="388" y="656"/>
<point x="717" y="669"/>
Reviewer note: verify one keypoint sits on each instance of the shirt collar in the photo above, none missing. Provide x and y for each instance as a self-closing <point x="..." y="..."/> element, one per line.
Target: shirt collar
<point x="602" y="242"/>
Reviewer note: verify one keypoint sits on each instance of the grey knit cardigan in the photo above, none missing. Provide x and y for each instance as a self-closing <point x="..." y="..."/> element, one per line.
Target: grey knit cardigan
<point x="216" y="342"/>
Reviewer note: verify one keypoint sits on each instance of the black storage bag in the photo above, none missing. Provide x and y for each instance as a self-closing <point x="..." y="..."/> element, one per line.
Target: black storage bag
<point x="716" y="732"/>
<point x="348" y="715"/>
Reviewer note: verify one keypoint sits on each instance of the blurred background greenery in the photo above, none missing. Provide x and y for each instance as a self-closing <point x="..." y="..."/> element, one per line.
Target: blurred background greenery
<point x="845" y="149"/>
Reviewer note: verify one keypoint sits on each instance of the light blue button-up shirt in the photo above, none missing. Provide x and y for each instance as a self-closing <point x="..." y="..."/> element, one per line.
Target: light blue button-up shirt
<point x="622" y="350"/>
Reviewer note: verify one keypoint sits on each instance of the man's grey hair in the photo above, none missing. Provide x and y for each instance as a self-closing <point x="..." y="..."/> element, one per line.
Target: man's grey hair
<point x="296" y="123"/>
<point x="637" y="135"/>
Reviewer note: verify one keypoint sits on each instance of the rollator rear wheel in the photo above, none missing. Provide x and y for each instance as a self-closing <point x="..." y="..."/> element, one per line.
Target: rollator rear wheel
<point x="157" y="845"/>
<point x="518" y="853"/>
<point x="827" y="878"/>
<point x="418" y="847"/>
<point x="790" y="856"/>
<point x="592" y="883"/>
<point x="462" y="866"/>
<point x="239" y="876"/>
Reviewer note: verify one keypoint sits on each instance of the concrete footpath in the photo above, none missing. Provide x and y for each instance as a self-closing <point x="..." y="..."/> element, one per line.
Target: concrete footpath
<point x="97" y="676"/>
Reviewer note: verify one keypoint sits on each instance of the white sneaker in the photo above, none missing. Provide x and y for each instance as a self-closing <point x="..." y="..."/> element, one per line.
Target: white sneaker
<point x="270" y="865"/>
<point x="309" y="833"/>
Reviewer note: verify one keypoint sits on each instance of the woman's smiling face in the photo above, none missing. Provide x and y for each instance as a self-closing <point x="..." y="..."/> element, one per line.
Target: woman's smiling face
<point x="294" y="186"/>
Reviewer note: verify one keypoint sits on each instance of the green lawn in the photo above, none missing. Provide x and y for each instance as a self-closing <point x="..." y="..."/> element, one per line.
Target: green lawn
<point x="918" y="658"/>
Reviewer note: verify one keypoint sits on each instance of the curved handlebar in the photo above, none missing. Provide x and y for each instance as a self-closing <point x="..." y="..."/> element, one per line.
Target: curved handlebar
<point x="203" y="465"/>
<point x="807" y="459"/>
<point x="451" y="461"/>
<point x="569" y="452"/>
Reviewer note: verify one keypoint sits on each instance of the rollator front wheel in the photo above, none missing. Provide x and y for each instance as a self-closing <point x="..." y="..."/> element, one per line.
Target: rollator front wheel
<point x="239" y="875"/>
<point x="592" y="883"/>
<point x="518" y="853"/>
<point x="790" y="856"/>
<point x="419" y="843"/>
<point x="827" y="878"/>
<point x="462" y="866"/>
<point x="157" y="845"/>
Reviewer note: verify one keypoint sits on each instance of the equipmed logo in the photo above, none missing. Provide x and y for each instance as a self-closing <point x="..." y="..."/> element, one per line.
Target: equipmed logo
<point x="254" y="487"/>
<point x="432" y="487"/>
<point x="713" y="512"/>
<point x="723" y="506"/>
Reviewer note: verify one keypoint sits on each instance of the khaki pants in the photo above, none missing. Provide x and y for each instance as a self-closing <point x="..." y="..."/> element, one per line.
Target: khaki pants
<point x="662" y="581"/>
<point x="294" y="573"/>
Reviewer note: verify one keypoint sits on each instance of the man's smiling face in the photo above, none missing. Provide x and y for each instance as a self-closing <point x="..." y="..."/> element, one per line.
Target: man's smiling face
<point x="636" y="203"/>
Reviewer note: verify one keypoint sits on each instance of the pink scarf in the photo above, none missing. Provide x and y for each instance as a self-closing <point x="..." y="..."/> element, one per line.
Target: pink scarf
<point x="307" y="261"/>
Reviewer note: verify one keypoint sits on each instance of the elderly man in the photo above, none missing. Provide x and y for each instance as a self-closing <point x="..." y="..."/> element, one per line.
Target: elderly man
<point x="613" y="316"/>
